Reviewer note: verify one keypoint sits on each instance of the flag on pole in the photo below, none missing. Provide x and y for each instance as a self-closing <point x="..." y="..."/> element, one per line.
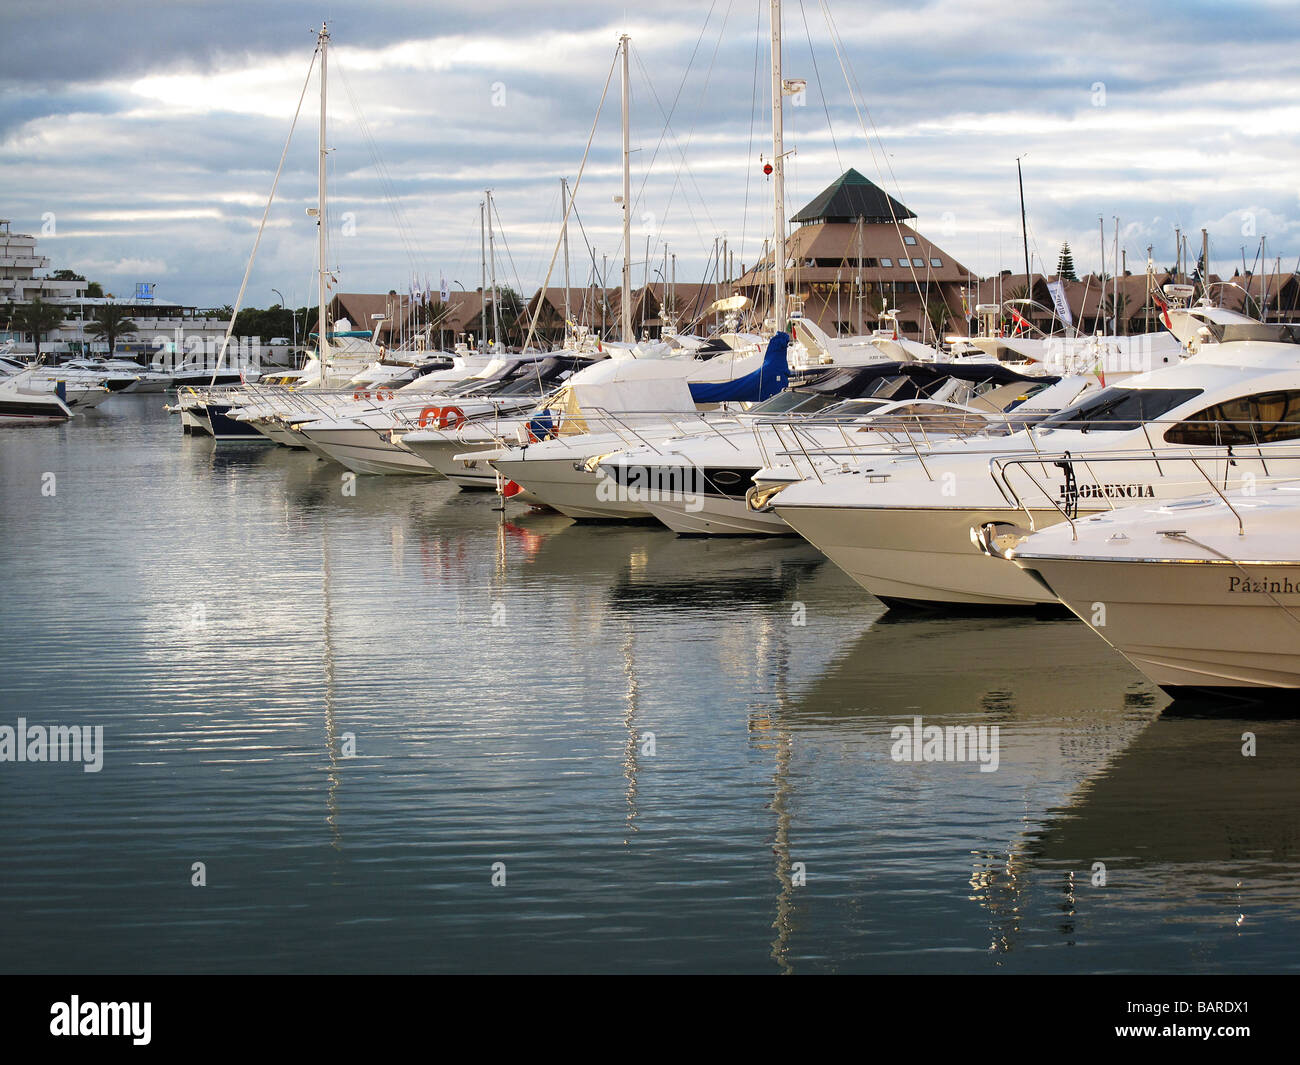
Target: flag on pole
<point x="443" y="290"/>
<point x="1057" y="289"/>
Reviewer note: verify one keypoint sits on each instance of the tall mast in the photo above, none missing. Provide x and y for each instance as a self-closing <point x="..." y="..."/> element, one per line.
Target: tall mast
<point x="1114" y="288"/>
<point x="1024" y="232"/>
<point x="1205" y="263"/>
<point x="492" y="264"/>
<point x="564" y="206"/>
<point x="778" y="175"/>
<point x="483" y="289"/>
<point x="627" y="204"/>
<point x="322" y="324"/>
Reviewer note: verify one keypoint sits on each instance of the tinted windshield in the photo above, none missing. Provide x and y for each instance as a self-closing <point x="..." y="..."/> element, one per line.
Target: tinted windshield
<point x="855" y="408"/>
<point x="784" y="402"/>
<point x="1264" y="418"/>
<point x="779" y="403"/>
<point x="1266" y="331"/>
<point x="1118" y="409"/>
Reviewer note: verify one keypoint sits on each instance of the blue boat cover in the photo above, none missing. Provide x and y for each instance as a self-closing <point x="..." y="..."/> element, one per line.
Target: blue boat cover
<point x="769" y="379"/>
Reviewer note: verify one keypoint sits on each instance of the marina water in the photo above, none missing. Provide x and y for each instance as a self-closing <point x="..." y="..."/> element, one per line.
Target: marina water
<point x="380" y="726"/>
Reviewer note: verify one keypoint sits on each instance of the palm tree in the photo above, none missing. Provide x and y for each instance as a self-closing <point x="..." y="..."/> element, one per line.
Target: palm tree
<point x="37" y="318"/>
<point x="111" y="322"/>
<point x="938" y="313"/>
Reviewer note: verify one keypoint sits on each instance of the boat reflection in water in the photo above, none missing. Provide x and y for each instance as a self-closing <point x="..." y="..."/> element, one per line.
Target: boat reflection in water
<point x="1064" y="710"/>
<point x="1196" y="827"/>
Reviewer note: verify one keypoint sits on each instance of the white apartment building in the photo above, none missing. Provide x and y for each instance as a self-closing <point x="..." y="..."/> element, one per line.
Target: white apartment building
<point x="163" y="326"/>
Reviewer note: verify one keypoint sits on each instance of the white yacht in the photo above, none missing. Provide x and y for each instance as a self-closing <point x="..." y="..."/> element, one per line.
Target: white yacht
<point x="899" y="522"/>
<point x="26" y="399"/>
<point x="700" y="483"/>
<point x="1202" y="594"/>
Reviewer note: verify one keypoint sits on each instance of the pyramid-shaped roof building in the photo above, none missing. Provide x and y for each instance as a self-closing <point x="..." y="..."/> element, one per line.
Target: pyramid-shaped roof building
<point x="850" y="197"/>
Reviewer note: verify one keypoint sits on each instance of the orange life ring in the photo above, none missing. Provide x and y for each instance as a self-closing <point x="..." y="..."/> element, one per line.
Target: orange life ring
<point x="360" y="395"/>
<point x="445" y="419"/>
<point x="425" y="415"/>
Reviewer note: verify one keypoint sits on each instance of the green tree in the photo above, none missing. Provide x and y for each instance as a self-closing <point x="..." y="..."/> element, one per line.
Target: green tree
<point x="37" y="318"/>
<point x="66" y="275"/>
<point x="94" y="290"/>
<point x="112" y="321"/>
<point x="1065" y="264"/>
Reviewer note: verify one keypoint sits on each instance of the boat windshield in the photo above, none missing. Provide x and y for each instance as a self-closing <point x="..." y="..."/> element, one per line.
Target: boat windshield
<point x="1119" y="409"/>
<point x="793" y="400"/>
<point x="1272" y="332"/>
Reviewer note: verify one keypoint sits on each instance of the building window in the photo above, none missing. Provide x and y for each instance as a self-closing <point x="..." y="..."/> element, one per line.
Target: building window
<point x="919" y="263"/>
<point x="886" y="262"/>
<point x="936" y="263"/>
<point x="909" y="240"/>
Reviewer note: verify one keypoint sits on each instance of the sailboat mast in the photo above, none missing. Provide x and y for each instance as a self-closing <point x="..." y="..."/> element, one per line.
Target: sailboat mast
<point x="627" y="203"/>
<point x="564" y="207"/>
<point x="492" y="264"/>
<point x="483" y="289"/>
<point x="1024" y="232"/>
<point x="778" y="175"/>
<point x="322" y="324"/>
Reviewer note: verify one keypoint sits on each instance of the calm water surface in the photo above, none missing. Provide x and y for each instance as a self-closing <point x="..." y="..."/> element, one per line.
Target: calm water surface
<point x="676" y="774"/>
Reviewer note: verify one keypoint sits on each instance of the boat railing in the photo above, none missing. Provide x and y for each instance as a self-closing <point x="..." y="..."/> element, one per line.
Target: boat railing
<point x="1065" y="500"/>
<point x="909" y="439"/>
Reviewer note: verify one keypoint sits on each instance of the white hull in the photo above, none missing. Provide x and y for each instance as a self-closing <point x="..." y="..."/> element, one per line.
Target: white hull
<point x="279" y="434"/>
<point x="717" y="516"/>
<point x="365" y="450"/>
<point x="573" y="492"/>
<point x="1187" y="625"/>
<point x="920" y="555"/>
<point x="440" y="454"/>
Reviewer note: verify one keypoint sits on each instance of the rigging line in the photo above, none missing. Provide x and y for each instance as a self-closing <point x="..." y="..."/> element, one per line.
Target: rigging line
<point x="519" y="285"/>
<point x="817" y="74"/>
<point x="386" y="182"/>
<point x="680" y="88"/>
<point x="853" y="96"/>
<point x="546" y="282"/>
<point x="677" y="179"/>
<point x="753" y="112"/>
<point x="681" y="150"/>
<point x="266" y="211"/>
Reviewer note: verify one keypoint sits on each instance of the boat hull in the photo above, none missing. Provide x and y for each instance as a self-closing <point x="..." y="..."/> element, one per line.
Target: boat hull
<point x="717" y="516"/>
<point x="1189" y="627"/>
<point x="365" y="450"/>
<point x="920" y="555"/>
<point x="575" y="493"/>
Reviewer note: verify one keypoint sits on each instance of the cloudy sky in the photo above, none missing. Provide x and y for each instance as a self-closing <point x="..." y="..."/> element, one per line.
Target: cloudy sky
<point x="142" y="138"/>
